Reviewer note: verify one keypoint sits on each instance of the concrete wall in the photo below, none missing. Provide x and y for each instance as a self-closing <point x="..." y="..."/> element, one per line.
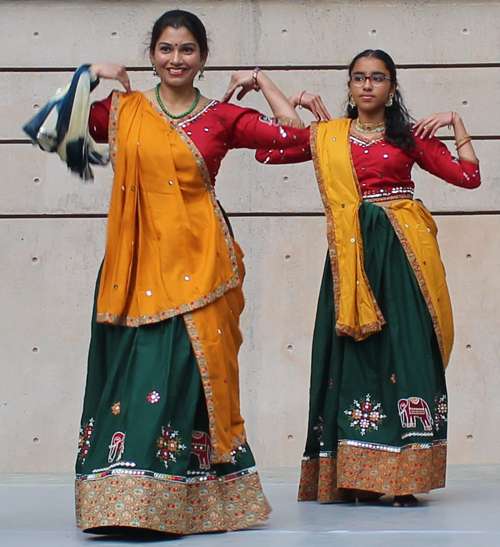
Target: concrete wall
<point x="52" y="226"/>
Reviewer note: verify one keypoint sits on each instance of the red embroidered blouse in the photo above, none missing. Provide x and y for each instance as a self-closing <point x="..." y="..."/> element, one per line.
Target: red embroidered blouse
<point x="384" y="171"/>
<point x="216" y="129"/>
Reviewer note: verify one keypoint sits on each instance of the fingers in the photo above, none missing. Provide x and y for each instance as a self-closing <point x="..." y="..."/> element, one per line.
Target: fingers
<point x="228" y="94"/>
<point x="420" y="125"/>
<point x="427" y="131"/>
<point x="123" y="78"/>
<point x="240" y="79"/>
<point x="125" y="81"/>
<point x="428" y="126"/>
<point x="231" y="88"/>
<point x="425" y="127"/>
<point x="322" y="110"/>
<point x="112" y="71"/>
<point x="242" y="93"/>
<point x="315" y="107"/>
<point x="315" y="104"/>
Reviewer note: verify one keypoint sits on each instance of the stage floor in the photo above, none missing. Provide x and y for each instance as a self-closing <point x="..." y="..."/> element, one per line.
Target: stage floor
<point x="37" y="510"/>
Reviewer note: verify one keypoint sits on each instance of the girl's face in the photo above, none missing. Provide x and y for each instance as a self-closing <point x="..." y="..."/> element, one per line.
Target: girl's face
<point x="370" y="84"/>
<point x="177" y="57"/>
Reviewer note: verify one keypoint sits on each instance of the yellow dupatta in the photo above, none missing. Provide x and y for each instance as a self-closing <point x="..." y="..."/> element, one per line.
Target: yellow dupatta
<point x="357" y="312"/>
<point x="168" y="249"/>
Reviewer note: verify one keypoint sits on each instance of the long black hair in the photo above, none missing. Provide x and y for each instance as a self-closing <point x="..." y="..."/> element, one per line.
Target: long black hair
<point x="397" y="118"/>
<point x="178" y="18"/>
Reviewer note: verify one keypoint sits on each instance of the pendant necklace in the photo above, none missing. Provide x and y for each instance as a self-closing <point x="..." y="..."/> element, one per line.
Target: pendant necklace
<point x="370" y="128"/>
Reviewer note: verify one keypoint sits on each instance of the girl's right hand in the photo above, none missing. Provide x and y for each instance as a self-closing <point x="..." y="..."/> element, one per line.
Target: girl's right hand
<point x="311" y="102"/>
<point x="112" y="71"/>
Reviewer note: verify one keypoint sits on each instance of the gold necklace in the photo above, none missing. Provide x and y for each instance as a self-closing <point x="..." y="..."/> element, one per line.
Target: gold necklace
<point x="370" y="128"/>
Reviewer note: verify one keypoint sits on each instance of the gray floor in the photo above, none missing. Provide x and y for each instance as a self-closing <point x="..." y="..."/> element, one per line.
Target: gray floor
<point x="37" y="510"/>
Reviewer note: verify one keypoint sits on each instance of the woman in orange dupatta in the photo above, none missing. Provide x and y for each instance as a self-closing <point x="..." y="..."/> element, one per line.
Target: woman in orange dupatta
<point x="162" y="441"/>
<point x="384" y="328"/>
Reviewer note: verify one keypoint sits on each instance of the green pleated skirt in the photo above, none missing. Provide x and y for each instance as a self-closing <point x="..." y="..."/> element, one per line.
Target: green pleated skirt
<point x="378" y="407"/>
<point x="144" y="448"/>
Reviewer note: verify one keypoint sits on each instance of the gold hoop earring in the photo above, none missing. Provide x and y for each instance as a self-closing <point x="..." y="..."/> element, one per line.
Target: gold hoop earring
<point x="352" y="104"/>
<point x="389" y="101"/>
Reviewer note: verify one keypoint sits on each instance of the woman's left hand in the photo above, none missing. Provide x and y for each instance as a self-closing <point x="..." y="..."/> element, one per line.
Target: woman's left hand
<point x="243" y="79"/>
<point x="427" y="127"/>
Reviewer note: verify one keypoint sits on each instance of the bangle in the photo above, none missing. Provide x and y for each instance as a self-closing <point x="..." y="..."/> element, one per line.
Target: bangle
<point x="452" y="121"/>
<point x="254" y="78"/>
<point x="464" y="141"/>
<point x="459" y="142"/>
<point x="299" y="104"/>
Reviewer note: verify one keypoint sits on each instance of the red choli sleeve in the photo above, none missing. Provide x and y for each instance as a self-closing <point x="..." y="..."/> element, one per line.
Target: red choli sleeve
<point x="433" y="156"/>
<point x="295" y="154"/>
<point x="249" y="128"/>
<point x="99" y="120"/>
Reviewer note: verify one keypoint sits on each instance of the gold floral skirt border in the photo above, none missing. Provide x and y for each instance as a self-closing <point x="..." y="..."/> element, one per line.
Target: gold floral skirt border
<point x="170" y="506"/>
<point x="410" y="471"/>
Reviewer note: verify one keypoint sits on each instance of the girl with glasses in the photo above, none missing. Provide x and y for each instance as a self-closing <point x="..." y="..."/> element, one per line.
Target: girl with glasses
<point x="384" y="327"/>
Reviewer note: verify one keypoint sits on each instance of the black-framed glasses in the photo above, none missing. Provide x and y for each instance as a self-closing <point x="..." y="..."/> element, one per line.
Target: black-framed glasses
<point x="358" y="79"/>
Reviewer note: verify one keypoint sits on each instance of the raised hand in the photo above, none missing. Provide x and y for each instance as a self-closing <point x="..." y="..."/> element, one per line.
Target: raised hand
<point x="112" y="71"/>
<point x="427" y="127"/>
<point x="311" y="102"/>
<point x="243" y="79"/>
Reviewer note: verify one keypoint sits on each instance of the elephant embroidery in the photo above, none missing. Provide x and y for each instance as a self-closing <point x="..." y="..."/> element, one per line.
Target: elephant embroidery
<point x="116" y="447"/>
<point x="412" y="408"/>
<point x="201" y="445"/>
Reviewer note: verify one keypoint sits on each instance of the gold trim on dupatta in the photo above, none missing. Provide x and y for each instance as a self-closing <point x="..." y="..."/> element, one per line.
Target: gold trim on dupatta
<point x="417" y="231"/>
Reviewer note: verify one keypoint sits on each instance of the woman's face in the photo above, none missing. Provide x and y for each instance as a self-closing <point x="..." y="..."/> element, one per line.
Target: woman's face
<point x="177" y="57"/>
<point x="367" y="96"/>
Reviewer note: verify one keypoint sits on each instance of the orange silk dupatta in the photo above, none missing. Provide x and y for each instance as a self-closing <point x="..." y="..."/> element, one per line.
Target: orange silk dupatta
<point x="169" y="252"/>
<point x="357" y="312"/>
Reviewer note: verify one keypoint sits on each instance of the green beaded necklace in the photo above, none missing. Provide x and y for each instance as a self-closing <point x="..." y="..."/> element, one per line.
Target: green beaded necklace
<point x="162" y="106"/>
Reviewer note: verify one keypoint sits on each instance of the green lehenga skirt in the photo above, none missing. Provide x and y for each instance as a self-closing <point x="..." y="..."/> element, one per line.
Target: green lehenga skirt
<point x="378" y="408"/>
<point x="144" y="449"/>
